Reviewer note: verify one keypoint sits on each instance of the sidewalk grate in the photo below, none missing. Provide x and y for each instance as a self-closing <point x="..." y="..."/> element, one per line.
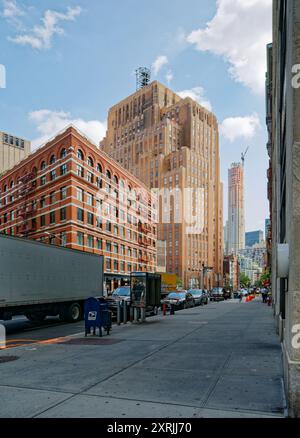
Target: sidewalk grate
<point x="5" y="359"/>
<point x="92" y="341"/>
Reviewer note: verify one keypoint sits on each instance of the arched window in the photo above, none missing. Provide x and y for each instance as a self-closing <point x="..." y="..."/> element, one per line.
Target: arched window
<point x="52" y="159"/>
<point x="5" y="188"/>
<point x="108" y="174"/>
<point x="43" y="165"/>
<point x="90" y="162"/>
<point x="116" y="180"/>
<point x="63" y="153"/>
<point x="12" y="185"/>
<point x="99" y="168"/>
<point x="80" y="154"/>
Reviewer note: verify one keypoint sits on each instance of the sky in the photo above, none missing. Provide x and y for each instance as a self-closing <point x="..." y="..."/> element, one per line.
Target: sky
<point x="69" y="61"/>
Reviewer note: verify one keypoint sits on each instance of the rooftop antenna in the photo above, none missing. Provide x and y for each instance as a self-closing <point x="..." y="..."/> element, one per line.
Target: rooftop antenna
<point x="244" y="156"/>
<point x="143" y="77"/>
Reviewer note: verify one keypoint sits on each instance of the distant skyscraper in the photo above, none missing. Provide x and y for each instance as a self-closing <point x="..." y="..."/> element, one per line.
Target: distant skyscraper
<point x="254" y="237"/>
<point x="236" y="213"/>
<point x="12" y="151"/>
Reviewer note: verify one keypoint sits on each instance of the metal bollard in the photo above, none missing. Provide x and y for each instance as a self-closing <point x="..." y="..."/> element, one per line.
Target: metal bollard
<point x="135" y="314"/>
<point x="143" y="314"/>
<point x="119" y="313"/>
<point x="131" y="313"/>
<point x="125" y="312"/>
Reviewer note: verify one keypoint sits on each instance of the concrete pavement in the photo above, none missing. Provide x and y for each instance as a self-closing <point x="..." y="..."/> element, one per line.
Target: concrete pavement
<point x="221" y="360"/>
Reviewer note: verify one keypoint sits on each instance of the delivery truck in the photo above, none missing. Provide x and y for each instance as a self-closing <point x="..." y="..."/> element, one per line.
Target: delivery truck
<point x="39" y="280"/>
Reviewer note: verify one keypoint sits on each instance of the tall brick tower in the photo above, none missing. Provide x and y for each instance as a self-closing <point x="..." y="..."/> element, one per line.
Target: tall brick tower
<point x="172" y="144"/>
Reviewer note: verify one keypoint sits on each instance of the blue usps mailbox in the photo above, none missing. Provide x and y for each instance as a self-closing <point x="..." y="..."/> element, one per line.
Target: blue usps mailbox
<point x="96" y="315"/>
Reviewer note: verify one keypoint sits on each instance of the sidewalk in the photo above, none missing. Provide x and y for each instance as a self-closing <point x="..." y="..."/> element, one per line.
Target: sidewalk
<point x="221" y="360"/>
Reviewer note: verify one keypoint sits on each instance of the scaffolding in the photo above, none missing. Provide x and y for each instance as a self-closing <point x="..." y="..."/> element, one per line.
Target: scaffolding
<point x="143" y="77"/>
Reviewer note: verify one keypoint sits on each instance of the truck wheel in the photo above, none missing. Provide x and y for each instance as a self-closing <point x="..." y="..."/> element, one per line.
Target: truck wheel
<point x="71" y="313"/>
<point x="35" y="317"/>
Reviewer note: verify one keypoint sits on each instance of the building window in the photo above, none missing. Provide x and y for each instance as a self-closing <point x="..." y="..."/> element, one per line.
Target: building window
<point x="53" y="175"/>
<point x="90" y="218"/>
<point x="43" y="202"/>
<point x="122" y="266"/>
<point x="90" y="200"/>
<point x="80" y="171"/>
<point x="80" y="155"/>
<point x="80" y="238"/>
<point x="116" y="230"/>
<point x="63" y="169"/>
<point x="108" y="264"/>
<point x="63" y="239"/>
<point x="43" y="220"/>
<point x="89" y="177"/>
<point x="43" y="180"/>
<point x="52" y="197"/>
<point x="116" y="248"/>
<point x="52" y="240"/>
<point x="108" y="246"/>
<point x="63" y="214"/>
<point x="99" y="244"/>
<point x="90" y="162"/>
<point x="80" y="214"/>
<point x="63" y="193"/>
<point x="52" y="217"/>
<point x="63" y="153"/>
<point x="108" y="227"/>
<point x="90" y="241"/>
<point x="43" y="165"/>
<point x="129" y="267"/>
<point x="116" y="265"/>
<point x="79" y="194"/>
<point x="52" y="160"/>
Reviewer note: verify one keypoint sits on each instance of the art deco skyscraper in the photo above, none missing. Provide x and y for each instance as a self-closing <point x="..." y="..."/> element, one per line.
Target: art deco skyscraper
<point x="172" y="144"/>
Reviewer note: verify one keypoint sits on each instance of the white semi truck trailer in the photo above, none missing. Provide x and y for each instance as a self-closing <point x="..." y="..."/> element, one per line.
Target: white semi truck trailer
<point x="39" y="280"/>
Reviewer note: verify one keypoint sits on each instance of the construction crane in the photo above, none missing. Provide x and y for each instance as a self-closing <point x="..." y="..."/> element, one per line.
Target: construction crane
<point x="244" y="156"/>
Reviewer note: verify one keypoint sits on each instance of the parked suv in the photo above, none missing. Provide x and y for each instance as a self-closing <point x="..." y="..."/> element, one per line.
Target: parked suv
<point x="180" y="299"/>
<point x="200" y="296"/>
<point x="217" y="294"/>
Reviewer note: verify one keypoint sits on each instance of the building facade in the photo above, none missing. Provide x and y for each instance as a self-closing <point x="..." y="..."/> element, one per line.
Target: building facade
<point x="70" y="193"/>
<point x="285" y="183"/>
<point x="236" y="209"/>
<point x="172" y="145"/>
<point x="232" y="272"/>
<point x="254" y="237"/>
<point x="12" y="150"/>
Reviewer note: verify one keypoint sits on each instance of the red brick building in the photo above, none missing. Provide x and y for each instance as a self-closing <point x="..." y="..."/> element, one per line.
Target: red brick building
<point x="70" y="193"/>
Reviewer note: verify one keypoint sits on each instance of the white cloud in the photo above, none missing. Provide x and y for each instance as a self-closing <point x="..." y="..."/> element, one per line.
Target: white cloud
<point x="11" y="9"/>
<point x="49" y="123"/>
<point x="159" y="63"/>
<point x="169" y="77"/>
<point x="40" y="37"/>
<point x="239" y="32"/>
<point x="197" y="94"/>
<point x="240" y="127"/>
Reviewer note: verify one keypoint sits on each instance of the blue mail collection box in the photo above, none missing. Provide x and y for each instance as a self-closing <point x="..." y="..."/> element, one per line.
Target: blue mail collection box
<point x="96" y="315"/>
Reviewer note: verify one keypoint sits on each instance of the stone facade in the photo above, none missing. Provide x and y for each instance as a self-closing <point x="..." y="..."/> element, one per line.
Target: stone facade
<point x="285" y="159"/>
<point x="12" y="150"/>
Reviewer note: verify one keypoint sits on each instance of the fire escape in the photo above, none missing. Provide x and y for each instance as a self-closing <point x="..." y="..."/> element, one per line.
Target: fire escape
<point x="27" y="208"/>
<point x="144" y="241"/>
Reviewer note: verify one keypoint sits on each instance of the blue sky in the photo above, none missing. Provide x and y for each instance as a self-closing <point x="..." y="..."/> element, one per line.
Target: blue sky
<point x="80" y="59"/>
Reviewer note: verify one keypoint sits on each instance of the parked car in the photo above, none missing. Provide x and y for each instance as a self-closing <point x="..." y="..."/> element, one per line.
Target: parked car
<point x="180" y="299"/>
<point x="200" y="296"/>
<point x="217" y="294"/>
<point x="123" y="295"/>
<point x="226" y="294"/>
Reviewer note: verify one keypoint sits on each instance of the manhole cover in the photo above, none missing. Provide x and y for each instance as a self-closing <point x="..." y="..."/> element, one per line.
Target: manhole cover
<point x="92" y="341"/>
<point x="4" y="359"/>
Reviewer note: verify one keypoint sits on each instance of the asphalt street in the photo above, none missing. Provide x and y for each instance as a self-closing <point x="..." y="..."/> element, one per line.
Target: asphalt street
<point x="221" y="360"/>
